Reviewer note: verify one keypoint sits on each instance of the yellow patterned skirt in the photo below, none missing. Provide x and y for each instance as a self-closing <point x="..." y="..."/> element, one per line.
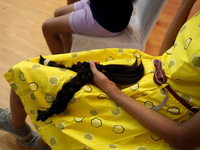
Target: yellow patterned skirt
<point x="92" y="120"/>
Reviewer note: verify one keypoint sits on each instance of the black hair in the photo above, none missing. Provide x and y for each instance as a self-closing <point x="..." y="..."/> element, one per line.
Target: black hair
<point x="119" y="74"/>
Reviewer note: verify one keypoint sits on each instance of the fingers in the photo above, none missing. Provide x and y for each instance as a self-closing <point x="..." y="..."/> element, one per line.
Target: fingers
<point x="96" y="62"/>
<point x="100" y="80"/>
<point x="92" y="66"/>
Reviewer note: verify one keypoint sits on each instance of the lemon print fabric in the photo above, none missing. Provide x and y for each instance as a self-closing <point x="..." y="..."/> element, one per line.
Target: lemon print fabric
<point x="93" y="121"/>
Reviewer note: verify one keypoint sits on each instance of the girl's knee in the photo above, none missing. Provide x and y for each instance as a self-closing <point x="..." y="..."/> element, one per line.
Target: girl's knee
<point x="63" y="10"/>
<point x="58" y="12"/>
<point x="46" y="27"/>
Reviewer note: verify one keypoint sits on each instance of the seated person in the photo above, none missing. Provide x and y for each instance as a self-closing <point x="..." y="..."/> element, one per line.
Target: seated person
<point x="91" y="17"/>
<point x="103" y="114"/>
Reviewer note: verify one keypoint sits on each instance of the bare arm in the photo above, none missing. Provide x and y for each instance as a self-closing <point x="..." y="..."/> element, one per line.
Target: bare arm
<point x="179" y="20"/>
<point x="180" y="135"/>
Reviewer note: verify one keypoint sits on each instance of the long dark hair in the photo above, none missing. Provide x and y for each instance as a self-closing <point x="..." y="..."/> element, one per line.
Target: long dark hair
<point x="120" y="74"/>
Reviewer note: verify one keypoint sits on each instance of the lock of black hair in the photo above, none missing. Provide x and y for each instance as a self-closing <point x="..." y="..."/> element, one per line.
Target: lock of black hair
<point x="120" y="74"/>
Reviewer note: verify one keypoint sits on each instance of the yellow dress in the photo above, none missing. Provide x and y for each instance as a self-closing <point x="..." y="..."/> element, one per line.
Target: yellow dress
<point x="94" y="121"/>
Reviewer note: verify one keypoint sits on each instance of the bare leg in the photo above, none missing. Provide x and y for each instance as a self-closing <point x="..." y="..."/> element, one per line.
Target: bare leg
<point x="67" y="42"/>
<point x="18" y="114"/>
<point x="64" y="10"/>
<point x="66" y="38"/>
<point x="57" y="31"/>
<point x="52" y="29"/>
<point x="71" y="1"/>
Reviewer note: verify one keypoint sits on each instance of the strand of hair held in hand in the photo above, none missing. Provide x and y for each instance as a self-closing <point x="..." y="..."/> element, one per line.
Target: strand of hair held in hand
<point x="120" y="74"/>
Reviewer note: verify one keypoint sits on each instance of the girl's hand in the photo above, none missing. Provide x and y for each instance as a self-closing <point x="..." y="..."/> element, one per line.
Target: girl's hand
<point x="100" y="79"/>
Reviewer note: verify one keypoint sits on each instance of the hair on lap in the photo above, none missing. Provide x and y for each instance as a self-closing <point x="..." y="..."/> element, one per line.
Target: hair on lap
<point x="119" y="74"/>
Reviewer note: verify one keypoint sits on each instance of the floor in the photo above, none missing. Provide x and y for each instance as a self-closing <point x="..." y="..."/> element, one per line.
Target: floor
<point x="21" y="38"/>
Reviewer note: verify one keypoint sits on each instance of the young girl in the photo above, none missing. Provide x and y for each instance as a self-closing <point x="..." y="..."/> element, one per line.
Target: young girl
<point x="91" y="17"/>
<point x="142" y="116"/>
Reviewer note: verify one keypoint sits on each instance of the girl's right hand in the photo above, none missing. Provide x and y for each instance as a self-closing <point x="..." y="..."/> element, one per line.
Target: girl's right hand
<point x="100" y="79"/>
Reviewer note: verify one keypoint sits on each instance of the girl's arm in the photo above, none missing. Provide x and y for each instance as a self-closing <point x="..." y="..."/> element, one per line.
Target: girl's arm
<point x="179" y="20"/>
<point x="180" y="135"/>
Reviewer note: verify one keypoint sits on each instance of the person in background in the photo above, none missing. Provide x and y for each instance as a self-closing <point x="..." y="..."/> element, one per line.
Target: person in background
<point x="90" y="17"/>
